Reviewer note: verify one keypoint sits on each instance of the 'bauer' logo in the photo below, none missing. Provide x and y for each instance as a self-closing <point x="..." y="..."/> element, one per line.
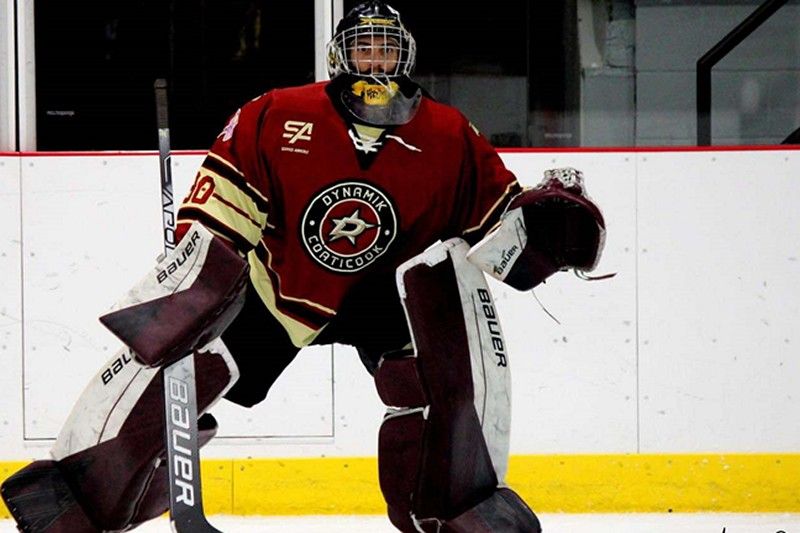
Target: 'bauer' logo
<point x="505" y="257"/>
<point x="179" y="440"/>
<point x="493" y="325"/>
<point x="176" y="263"/>
<point x="347" y="226"/>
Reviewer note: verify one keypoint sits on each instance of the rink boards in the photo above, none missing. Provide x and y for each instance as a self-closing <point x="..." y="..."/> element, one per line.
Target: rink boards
<point x="679" y="372"/>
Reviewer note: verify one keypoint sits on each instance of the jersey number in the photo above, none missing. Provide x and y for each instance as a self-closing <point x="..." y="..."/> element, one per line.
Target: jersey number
<point x="203" y="190"/>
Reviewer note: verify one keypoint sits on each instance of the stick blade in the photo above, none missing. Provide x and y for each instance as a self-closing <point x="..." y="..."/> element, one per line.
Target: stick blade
<point x="192" y="525"/>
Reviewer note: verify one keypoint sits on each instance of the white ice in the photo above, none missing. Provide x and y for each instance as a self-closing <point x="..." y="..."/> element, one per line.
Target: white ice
<point x="552" y="523"/>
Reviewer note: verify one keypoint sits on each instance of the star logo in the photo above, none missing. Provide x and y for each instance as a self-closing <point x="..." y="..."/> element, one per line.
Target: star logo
<point x="349" y="227"/>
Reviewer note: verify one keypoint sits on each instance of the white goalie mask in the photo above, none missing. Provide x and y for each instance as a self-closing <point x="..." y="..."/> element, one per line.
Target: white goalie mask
<point x="377" y="54"/>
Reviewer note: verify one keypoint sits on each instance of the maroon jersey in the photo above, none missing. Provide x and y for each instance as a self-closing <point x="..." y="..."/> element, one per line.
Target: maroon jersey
<point x="319" y="203"/>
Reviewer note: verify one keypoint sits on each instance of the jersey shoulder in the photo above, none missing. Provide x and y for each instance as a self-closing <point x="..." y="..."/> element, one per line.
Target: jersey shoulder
<point x="441" y="109"/>
<point x="304" y="97"/>
<point x="444" y="120"/>
<point x="303" y="100"/>
<point x="309" y="96"/>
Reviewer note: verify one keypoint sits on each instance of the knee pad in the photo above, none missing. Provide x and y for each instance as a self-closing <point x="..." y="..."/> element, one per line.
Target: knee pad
<point x="112" y="444"/>
<point x="443" y="444"/>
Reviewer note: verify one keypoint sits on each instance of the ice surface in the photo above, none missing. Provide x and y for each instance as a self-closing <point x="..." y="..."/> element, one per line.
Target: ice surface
<point x="552" y="523"/>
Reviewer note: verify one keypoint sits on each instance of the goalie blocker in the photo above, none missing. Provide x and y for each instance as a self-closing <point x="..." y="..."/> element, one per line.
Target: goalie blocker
<point x="444" y="441"/>
<point x="108" y="471"/>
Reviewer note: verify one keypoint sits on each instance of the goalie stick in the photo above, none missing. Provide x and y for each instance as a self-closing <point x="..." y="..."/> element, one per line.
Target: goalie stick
<point x="180" y="399"/>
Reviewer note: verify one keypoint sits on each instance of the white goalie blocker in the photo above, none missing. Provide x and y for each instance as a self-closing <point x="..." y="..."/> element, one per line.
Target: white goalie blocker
<point x="444" y="442"/>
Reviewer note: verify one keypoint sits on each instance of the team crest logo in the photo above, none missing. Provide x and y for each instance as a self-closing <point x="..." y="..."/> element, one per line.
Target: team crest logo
<point x="347" y="226"/>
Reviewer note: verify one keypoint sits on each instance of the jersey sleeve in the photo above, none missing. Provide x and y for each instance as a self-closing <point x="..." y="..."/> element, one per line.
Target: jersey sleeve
<point x="487" y="186"/>
<point x="230" y="191"/>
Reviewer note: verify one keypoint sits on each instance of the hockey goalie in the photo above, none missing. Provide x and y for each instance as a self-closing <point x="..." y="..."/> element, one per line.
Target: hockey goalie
<point x="359" y="211"/>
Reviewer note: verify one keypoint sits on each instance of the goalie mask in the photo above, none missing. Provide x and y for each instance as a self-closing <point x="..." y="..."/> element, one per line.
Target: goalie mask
<point x="374" y="55"/>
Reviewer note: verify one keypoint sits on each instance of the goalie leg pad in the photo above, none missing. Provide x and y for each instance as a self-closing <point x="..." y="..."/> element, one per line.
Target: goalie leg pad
<point x="190" y="298"/>
<point x="400" y="439"/>
<point x="155" y="500"/>
<point x="443" y="444"/>
<point x="111" y="450"/>
<point x="39" y="500"/>
<point x="502" y="511"/>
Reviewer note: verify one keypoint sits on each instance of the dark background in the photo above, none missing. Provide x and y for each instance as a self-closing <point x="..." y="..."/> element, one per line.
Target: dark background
<point x="96" y="62"/>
